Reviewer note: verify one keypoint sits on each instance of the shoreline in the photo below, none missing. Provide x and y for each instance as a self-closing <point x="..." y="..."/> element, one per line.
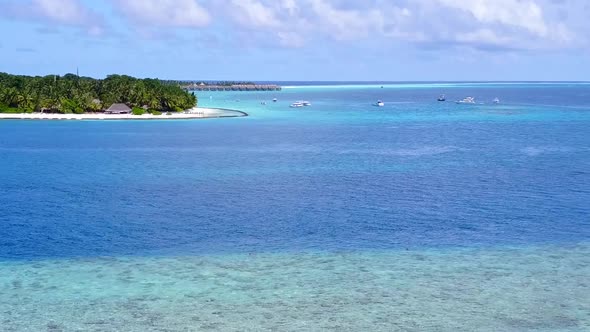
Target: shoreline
<point x="194" y="113"/>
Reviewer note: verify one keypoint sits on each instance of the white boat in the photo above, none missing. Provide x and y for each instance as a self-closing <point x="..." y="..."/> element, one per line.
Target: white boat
<point x="379" y="103"/>
<point x="301" y="103"/>
<point x="442" y="98"/>
<point x="274" y="100"/>
<point x="496" y="100"/>
<point x="466" y="100"/>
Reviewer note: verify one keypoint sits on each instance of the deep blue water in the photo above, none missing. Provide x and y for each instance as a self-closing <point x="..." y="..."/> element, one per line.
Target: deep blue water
<point x="339" y="175"/>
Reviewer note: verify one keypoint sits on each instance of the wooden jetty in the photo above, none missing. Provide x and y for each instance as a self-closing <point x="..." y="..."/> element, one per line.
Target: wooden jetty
<point x="234" y="87"/>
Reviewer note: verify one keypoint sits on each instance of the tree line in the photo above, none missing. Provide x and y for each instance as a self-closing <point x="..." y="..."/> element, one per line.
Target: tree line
<point x="74" y="94"/>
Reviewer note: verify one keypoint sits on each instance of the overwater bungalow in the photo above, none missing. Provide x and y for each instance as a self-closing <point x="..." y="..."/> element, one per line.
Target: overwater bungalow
<point x="235" y="87"/>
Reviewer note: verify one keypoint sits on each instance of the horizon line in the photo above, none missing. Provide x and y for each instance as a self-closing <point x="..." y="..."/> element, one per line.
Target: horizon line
<point x="316" y="81"/>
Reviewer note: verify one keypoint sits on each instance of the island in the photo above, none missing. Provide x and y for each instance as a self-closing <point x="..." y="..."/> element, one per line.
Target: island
<point x="115" y="97"/>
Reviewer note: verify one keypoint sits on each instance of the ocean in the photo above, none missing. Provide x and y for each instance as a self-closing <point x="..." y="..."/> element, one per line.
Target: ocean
<point x="416" y="216"/>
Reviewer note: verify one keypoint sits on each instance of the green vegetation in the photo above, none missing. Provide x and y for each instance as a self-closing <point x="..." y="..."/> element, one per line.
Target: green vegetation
<point x="137" y="111"/>
<point x="73" y="94"/>
<point x="6" y="109"/>
<point x="154" y="112"/>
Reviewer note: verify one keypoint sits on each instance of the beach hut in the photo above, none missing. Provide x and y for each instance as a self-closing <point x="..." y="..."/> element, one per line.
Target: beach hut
<point x="118" y="109"/>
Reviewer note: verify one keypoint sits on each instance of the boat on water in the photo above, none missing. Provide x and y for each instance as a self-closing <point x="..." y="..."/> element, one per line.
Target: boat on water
<point x="496" y="100"/>
<point x="300" y="103"/>
<point x="379" y="103"/>
<point x="441" y="98"/>
<point x="466" y="100"/>
<point x="274" y="100"/>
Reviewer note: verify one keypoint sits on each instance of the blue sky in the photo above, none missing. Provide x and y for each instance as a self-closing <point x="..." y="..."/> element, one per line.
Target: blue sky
<point x="388" y="40"/>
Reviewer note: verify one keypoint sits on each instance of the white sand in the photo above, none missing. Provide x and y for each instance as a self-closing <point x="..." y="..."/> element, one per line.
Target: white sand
<point x="195" y="113"/>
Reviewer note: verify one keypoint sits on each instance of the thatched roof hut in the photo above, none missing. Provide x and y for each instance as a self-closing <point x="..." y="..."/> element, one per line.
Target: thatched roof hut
<point x="118" y="109"/>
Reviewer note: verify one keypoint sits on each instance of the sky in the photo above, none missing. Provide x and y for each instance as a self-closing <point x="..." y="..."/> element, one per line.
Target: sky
<point x="299" y="40"/>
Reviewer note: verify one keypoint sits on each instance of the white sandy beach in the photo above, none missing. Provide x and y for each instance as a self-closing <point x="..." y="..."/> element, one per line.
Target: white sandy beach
<point x="195" y="113"/>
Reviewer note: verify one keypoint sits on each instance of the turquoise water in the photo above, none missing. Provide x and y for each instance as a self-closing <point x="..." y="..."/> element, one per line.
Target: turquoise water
<point x="510" y="289"/>
<point x="418" y="216"/>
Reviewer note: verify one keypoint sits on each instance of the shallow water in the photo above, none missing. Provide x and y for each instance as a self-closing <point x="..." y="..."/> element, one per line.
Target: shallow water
<point x="340" y="216"/>
<point x="508" y="289"/>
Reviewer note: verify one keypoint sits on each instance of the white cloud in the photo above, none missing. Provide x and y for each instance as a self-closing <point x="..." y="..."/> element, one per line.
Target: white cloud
<point x="64" y="12"/>
<point x="525" y="14"/>
<point x="476" y="24"/>
<point x="483" y="36"/>
<point x="254" y="14"/>
<point x="344" y="23"/>
<point x="172" y="13"/>
<point x="507" y="24"/>
<point x="290" y="6"/>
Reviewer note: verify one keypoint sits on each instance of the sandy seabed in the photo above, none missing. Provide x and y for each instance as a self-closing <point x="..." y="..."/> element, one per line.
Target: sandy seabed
<point x="496" y="289"/>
